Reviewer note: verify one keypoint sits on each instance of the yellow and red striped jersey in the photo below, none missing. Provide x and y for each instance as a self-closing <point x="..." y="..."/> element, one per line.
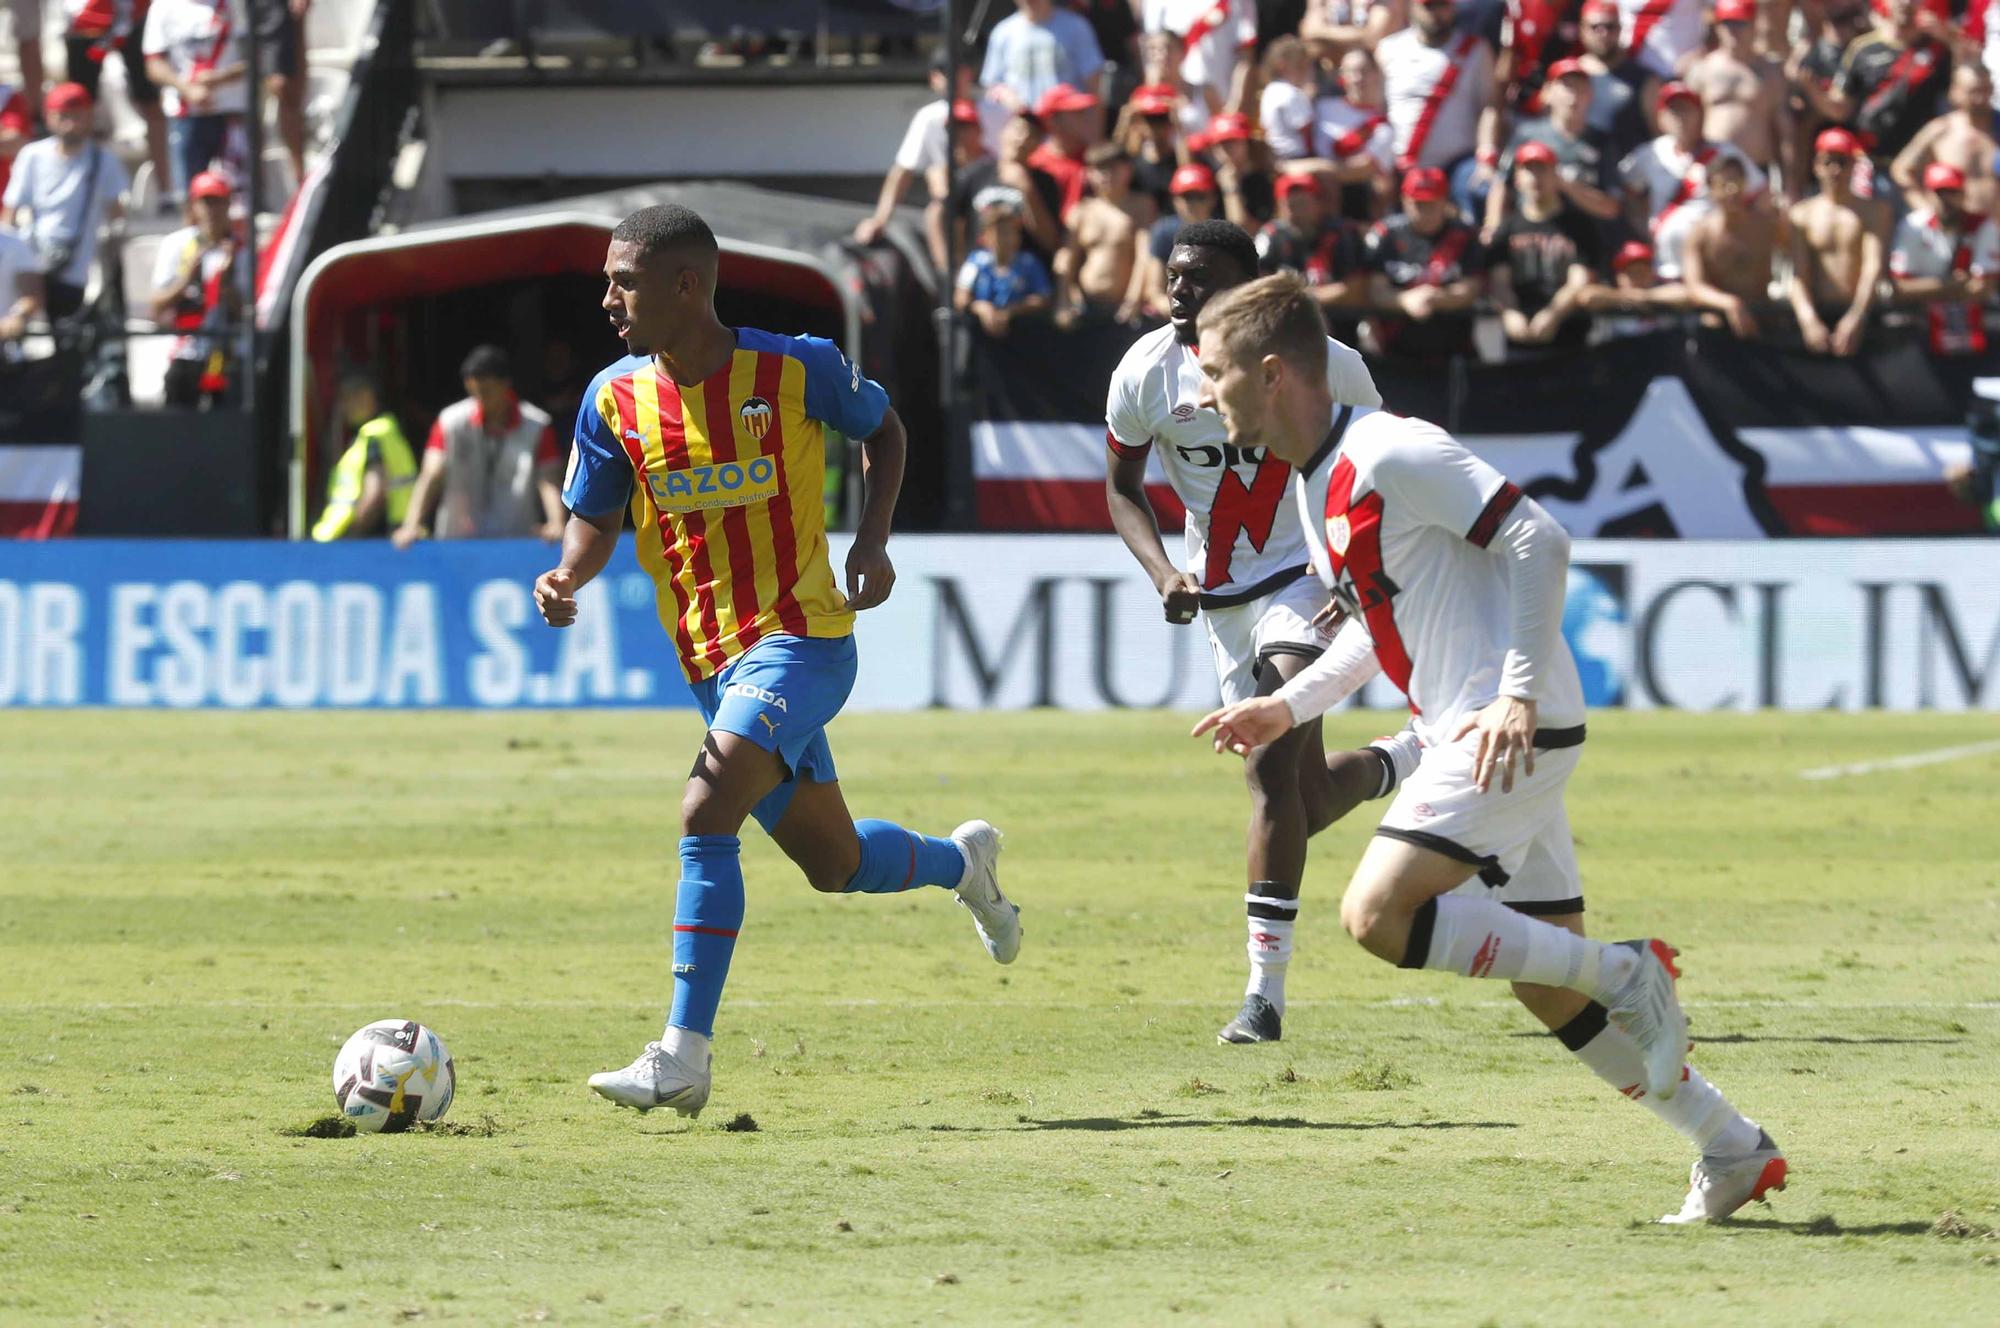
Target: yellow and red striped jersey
<point x="724" y="479"/>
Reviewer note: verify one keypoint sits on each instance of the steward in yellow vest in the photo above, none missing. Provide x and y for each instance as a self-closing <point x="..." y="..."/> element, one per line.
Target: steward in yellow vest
<point x="369" y="491"/>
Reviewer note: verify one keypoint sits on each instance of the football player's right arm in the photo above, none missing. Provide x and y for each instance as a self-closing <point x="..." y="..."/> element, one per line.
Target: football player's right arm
<point x="1132" y="513"/>
<point x="586" y="548"/>
<point x="596" y="491"/>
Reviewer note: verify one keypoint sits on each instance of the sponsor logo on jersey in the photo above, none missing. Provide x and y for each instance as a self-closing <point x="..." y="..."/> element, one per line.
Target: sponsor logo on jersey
<point x="1184" y="412"/>
<point x="1338" y="534"/>
<point x="755" y="693"/>
<point x="756" y="415"/>
<point x="701" y="488"/>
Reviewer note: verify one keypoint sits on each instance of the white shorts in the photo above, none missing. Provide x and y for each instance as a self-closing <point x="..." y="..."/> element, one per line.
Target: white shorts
<point x="1518" y="842"/>
<point x="1244" y="635"/>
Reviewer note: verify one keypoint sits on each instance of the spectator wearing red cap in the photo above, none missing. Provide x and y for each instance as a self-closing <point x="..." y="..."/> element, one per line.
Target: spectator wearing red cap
<point x="1038" y="47"/>
<point x="1636" y="303"/>
<point x="932" y="146"/>
<point x="1542" y="256"/>
<point x="1661" y="34"/>
<point x="1069" y="123"/>
<point x="1148" y="126"/>
<point x="198" y="293"/>
<point x="1621" y="88"/>
<point x="1961" y="138"/>
<point x="1890" y="80"/>
<point x="1944" y="260"/>
<point x="1743" y="93"/>
<point x="1099" y="272"/>
<point x="1307" y="239"/>
<point x="1248" y="195"/>
<point x="1285" y="108"/>
<point x="1811" y="71"/>
<point x="1583" y="162"/>
<point x="1666" y="180"/>
<point x="1042" y="232"/>
<point x="1728" y="250"/>
<point x="1540" y="35"/>
<point x="1195" y="198"/>
<point x="1352" y="134"/>
<point x="1836" y="250"/>
<point x="1444" y="100"/>
<point x="1427" y="268"/>
<point x="1218" y="43"/>
<point x="194" y="51"/>
<point x="64" y="190"/>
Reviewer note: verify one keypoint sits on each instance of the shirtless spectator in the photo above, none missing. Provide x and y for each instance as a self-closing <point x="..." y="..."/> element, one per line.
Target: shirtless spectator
<point x="1041" y="194"/>
<point x="1945" y="259"/>
<point x="1743" y="93"/>
<point x="1285" y="108"/>
<point x="1352" y="135"/>
<point x="1304" y="239"/>
<point x="1890" y="80"/>
<point x="1443" y="100"/>
<point x="1636" y="303"/>
<point x="1836" y="251"/>
<point x="1812" y="70"/>
<point x="1662" y="35"/>
<point x="1583" y="164"/>
<point x="1332" y="28"/>
<point x="1426" y="271"/>
<point x="1666" y="180"/>
<point x="1621" y="88"/>
<point x="1961" y="139"/>
<point x="1099" y="271"/>
<point x="1069" y="124"/>
<point x="1542" y="257"/>
<point x="1729" y="250"/>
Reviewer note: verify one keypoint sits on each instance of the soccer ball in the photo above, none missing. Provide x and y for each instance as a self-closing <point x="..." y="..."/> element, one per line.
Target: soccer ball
<point x="393" y="1073"/>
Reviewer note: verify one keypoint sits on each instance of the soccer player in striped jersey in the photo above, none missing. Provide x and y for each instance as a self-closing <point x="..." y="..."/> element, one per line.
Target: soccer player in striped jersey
<point x="714" y="437"/>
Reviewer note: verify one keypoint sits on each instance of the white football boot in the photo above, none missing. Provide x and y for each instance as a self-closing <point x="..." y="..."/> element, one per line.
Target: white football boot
<point x="659" y="1078"/>
<point x="1651" y="1015"/>
<point x="1718" y="1186"/>
<point x="998" y="922"/>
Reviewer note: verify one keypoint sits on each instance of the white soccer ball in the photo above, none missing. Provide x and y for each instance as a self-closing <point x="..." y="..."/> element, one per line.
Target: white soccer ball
<point x="392" y="1074"/>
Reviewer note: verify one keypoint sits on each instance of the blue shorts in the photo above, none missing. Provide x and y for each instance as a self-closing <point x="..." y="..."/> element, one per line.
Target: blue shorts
<point x="781" y="694"/>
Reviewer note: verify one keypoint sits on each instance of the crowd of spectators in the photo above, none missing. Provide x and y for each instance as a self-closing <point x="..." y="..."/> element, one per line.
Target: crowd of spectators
<point x="1569" y="170"/>
<point x="66" y="188"/>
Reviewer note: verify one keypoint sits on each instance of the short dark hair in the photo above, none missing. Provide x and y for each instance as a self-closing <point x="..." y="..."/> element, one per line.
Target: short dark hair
<point x="1224" y="237"/>
<point x="353" y="380"/>
<point x="667" y="226"/>
<point x="488" y="362"/>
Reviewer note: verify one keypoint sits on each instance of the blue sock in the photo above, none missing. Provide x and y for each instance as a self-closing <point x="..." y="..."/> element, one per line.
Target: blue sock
<point x="894" y="859"/>
<point x="708" y="911"/>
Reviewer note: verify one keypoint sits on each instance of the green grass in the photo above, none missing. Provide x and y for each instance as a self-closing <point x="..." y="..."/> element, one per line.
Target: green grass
<point x="196" y="910"/>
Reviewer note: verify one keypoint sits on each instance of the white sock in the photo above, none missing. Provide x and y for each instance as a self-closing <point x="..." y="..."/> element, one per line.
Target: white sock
<point x="685" y="1043"/>
<point x="1270" y="946"/>
<point x="1478" y="938"/>
<point x="1698" y="1112"/>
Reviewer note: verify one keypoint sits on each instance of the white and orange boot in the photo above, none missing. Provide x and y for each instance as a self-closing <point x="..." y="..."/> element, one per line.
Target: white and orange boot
<point x="1718" y="1186"/>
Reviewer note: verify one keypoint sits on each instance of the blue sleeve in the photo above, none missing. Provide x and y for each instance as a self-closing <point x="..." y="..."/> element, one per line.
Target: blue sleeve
<point x="835" y="390"/>
<point x="600" y="474"/>
<point x="994" y="71"/>
<point x="1034" y="277"/>
<point x="1084" y="53"/>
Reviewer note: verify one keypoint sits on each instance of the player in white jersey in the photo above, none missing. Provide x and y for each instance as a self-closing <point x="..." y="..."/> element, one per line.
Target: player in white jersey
<point x="1452" y="584"/>
<point x="1246" y="572"/>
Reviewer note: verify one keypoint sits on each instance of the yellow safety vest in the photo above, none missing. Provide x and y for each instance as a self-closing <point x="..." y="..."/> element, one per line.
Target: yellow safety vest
<point x="343" y="490"/>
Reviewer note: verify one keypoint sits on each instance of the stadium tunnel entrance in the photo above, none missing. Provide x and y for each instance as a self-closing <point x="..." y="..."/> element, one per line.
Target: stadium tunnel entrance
<point x="409" y="306"/>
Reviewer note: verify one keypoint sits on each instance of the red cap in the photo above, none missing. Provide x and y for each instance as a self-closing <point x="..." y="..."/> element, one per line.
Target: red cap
<point x="1534" y="152"/>
<point x="1424" y="184"/>
<point x="1193" y="178"/>
<point x="1292" y="182"/>
<point x="1942" y="175"/>
<point x="1566" y="68"/>
<point x="1671" y="92"/>
<point x="1632" y="251"/>
<point x="1228" y="126"/>
<point x="964" y="112"/>
<point x="1153" y="99"/>
<point x="210" y="184"/>
<point x="1601" y="9"/>
<point x="1735" y="11"/>
<point x="1062" y="97"/>
<point x="67" y="97"/>
<point x="1838" y="142"/>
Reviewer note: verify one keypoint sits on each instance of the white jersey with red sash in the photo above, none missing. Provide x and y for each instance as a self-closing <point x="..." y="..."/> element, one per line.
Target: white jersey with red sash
<point x="1926" y="247"/>
<point x="1400" y="517"/>
<point x="1435" y="95"/>
<point x="1659" y="33"/>
<point x="1341" y="130"/>
<point x="1238" y="536"/>
<point x="1674" y="178"/>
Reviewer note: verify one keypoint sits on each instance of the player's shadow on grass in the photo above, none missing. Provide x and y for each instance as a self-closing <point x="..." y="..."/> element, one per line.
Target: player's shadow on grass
<point x="1824" y="1039"/>
<point x="1826" y="1225"/>
<point x="1151" y="1121"/>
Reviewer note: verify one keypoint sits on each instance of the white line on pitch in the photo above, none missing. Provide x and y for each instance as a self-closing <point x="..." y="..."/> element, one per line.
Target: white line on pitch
<point x="864" y="1003"/>
<point x="1909" y="762"/>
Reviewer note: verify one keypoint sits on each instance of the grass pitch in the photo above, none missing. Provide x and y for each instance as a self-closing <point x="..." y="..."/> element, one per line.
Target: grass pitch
<point x="196" y="910"/>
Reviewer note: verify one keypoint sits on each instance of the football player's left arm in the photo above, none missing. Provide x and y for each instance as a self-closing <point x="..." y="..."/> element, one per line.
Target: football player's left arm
<point x="870" y="574"/>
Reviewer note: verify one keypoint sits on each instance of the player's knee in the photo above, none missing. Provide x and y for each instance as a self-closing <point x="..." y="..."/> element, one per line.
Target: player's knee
<point x="703" y="814"/>
<point x="1367" y="915"/>
<point x="1272" y="772"/>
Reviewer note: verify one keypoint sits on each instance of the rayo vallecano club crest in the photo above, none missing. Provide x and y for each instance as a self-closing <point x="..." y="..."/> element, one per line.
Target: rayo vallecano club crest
<point x="756" y="415"/>
<point x="1338" y="534"/>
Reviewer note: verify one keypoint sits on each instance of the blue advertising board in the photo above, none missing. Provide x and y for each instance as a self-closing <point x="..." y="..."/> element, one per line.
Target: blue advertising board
<point x="184" y="624"/>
